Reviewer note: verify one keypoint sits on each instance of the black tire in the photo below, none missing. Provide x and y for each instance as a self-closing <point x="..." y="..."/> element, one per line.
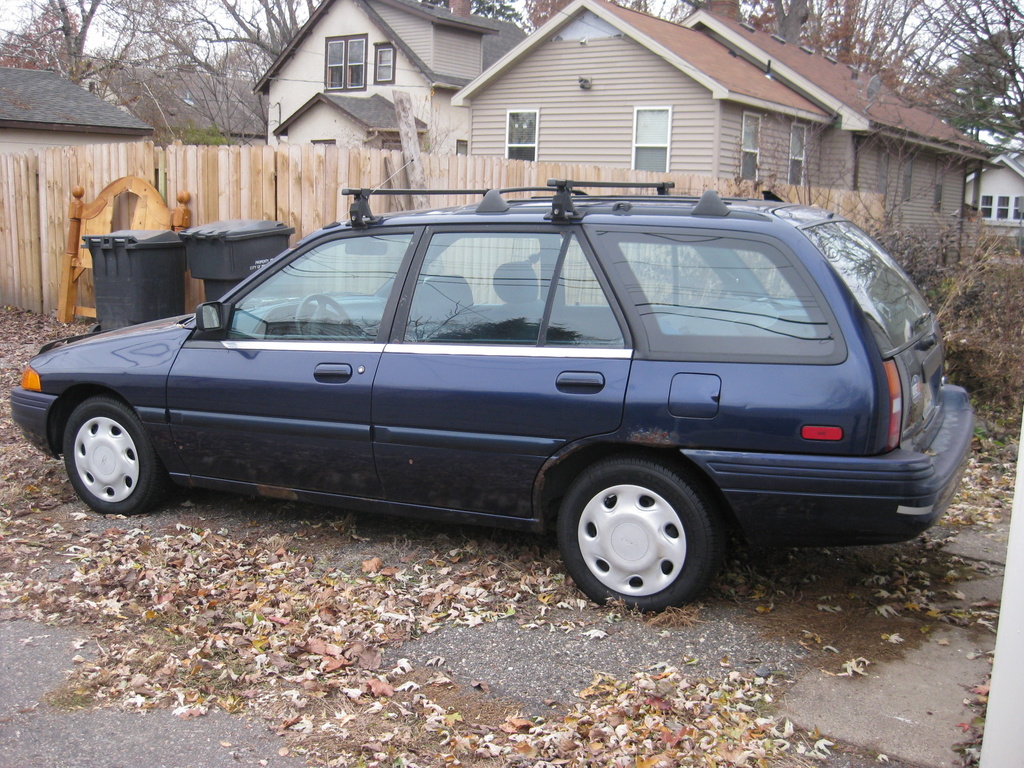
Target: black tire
<point x="110" y="459"/>
<point x="635" y="530"/>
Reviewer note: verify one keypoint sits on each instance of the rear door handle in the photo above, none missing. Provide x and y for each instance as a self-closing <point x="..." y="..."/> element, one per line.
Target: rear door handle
<point x="579" y="382"/>
<point x="332" y="373"/>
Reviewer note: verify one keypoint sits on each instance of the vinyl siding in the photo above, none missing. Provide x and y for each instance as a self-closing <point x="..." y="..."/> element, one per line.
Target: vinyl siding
<point x="458" y="53"/>
<point x="415" y="32"/>
<point x="596" y="125"/>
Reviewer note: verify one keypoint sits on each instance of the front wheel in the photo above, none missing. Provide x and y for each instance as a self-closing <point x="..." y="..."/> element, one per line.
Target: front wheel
<point x="110" y="459"/>
<point x="635" y="530"/>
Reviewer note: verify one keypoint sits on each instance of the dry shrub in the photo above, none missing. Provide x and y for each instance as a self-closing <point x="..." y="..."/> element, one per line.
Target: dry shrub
<point x="979" y="299"/>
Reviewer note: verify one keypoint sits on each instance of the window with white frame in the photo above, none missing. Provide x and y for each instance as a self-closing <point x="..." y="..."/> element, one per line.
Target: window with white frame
<point x="797" y="153"/>
<point x="751" y="146"/>
<point x="346" y="63"/>
<point x="1003" y="207"/>
<point x="651" y="126"/>
<point x="383" y="63"/>
<point x="521" y="135"/>
<point x="1018" y="208"/>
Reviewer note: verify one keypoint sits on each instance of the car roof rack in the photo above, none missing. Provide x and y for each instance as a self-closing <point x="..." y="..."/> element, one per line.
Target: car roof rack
<point x="562" y="207"/>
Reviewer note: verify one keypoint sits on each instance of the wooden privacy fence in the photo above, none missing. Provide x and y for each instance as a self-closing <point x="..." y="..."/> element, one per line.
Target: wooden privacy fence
<point x="299" y="185"/>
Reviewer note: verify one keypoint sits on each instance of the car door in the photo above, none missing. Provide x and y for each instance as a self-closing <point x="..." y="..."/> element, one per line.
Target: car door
<point x="281" y="397"/>
<point x="506" y="350"/>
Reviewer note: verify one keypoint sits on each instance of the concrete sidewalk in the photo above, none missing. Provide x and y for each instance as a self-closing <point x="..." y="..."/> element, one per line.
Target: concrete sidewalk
<point x="913" y="709"/>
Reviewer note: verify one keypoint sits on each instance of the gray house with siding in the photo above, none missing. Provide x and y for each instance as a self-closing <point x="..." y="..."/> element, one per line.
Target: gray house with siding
<point x="711" y="96"/>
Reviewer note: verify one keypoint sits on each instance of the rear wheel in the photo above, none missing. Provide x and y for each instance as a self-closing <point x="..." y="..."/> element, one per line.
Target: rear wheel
<point x="110" y="459"/>
<point x="635" y="530"/>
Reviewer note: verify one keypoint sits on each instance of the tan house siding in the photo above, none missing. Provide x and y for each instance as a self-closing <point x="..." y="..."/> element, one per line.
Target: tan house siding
<point x="457" y="53"/>
<point x="415" y="32"/>
<point x="596" y="125"/>
<point x="833" y="158"/>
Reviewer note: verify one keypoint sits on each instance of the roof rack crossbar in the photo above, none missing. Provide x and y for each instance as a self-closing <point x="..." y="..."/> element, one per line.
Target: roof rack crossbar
<point x="562" y="208"/>
<point x="662" y="187"/>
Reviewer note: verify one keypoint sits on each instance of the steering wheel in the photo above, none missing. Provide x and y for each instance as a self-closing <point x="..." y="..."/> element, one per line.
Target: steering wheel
<point x="317" y="308"/>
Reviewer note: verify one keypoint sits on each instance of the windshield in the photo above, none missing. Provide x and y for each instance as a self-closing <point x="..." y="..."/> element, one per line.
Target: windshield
<point x="882" y="289"/>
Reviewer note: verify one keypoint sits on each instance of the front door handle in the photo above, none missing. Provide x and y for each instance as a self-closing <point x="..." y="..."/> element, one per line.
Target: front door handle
<point x="332" y="373"/>
<point x="579" y="382"/>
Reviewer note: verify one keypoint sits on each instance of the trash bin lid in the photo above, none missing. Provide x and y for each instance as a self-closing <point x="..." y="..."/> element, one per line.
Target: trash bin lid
<point x="236" y="229"/>
<point x="134" y="238"/>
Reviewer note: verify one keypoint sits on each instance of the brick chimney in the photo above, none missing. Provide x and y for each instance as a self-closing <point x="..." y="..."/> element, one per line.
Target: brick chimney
<point x="465" y="7"/>
<point x="728" y="9"/>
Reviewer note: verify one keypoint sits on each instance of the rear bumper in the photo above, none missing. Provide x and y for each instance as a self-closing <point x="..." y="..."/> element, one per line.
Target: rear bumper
<point x="797" y="500"/>
<point x="30" y="411"/>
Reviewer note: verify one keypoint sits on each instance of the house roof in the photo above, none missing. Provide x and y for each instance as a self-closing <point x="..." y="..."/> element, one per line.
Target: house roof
<point x="837" y="87"/>
<point x="42" y="100"/>
<point x="499" y="37"/>
<point x="739" y="76"/>
<point x="692" y="52"/>
<point x="373" y="113"/>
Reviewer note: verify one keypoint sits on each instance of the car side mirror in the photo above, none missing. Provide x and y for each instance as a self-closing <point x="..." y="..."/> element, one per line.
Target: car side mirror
<point x="210" y="316"/>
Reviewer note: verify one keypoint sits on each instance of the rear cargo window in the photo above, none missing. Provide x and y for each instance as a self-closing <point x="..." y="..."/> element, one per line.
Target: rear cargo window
<point x="721" y="298"/>
<point x="882" y="289"/>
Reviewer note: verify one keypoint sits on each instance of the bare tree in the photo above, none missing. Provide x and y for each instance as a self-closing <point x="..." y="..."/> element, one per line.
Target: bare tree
<point x="980" y="86"/>
<point x="54" y="36"/>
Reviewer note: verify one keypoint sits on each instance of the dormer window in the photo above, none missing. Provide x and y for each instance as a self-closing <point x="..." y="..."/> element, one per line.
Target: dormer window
<point x="346" y="63"/>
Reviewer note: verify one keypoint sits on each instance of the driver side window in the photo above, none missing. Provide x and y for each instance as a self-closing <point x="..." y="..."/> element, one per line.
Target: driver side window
<point x="336" y="291"/>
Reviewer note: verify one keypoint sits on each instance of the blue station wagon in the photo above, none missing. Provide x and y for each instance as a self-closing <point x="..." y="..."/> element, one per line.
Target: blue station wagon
<point x="643" y="373"/>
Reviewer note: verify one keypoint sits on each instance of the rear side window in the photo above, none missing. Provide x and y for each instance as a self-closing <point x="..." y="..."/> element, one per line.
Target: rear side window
<point x="721" y="298"/>
<point x="496" y="288"/>
<point x="882" y="289"/>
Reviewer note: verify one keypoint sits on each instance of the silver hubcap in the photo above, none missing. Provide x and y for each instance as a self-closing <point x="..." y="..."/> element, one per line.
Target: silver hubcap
<point x="631" y="540"/>
<point x="106" y="459"/>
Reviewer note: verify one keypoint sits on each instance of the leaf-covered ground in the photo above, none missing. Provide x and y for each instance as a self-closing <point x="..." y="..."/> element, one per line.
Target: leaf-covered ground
<point x="309" y="619"/>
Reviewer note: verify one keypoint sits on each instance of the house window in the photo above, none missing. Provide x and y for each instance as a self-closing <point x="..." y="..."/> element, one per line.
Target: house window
<point x="937" y="199"/>
<point x="986" y="206"/>
<point x="461" y="146"/>
<point x="1003" y="207"/>
<point x="383" y="64"/>
<point x="346" y="63"/>
<point x="650" y="138"/>
<point x="908" y="179"/>
<point x="521" y="135"/>
<point x="797" y="153"/>
<point x="1018" y="208"/>
<point x="751" y="142"/>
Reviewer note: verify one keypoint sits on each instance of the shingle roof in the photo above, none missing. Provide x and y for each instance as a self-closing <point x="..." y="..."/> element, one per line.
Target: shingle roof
<point x="886" y="109"/>
<point x="373" y="113"/>
<point x="711" y="58"/>
<point x="32" y="98"/>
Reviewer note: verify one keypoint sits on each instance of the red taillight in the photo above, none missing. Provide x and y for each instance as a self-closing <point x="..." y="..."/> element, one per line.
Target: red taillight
<point x="831" y="434"/>
<point x="892" y="375"/>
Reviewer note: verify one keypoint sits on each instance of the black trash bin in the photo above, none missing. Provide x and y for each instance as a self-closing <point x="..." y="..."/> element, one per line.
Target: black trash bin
<point x="138" y="274"/>
<point x="224" y="253"/>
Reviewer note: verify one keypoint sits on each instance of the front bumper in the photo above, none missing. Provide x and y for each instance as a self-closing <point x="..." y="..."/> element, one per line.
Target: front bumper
<point x="800" y="500"/>
<point x="30" y="411"/>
